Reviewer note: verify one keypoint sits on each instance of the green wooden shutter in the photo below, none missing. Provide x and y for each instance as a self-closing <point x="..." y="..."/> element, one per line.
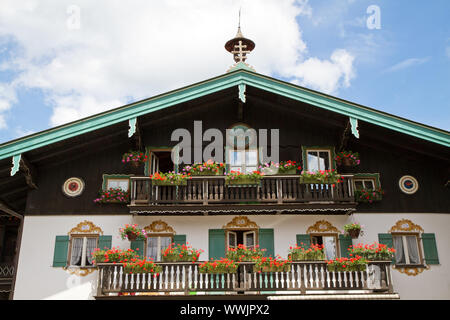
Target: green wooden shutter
<point x="104" y="242"/>
<point x="430" y="248"/>
<point x="139" y="247"/>
<point x="303" y="240"/>
<point x="179" y="239"/>
<point x="345" y="242"/>
<point x="266" y="241"/>
<point x="386" y="238"/>
<point x="61" y="251"/>
<point x="216" y="246"/>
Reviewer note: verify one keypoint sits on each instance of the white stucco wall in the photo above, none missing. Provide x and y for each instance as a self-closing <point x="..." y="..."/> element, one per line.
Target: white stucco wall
<point x="37" y="279"/>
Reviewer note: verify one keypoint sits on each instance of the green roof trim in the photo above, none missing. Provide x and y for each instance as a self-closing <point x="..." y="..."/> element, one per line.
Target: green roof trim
<point x="235" y="78"/>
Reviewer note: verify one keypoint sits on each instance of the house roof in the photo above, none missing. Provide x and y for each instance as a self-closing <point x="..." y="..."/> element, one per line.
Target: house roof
<point x="239" y="77"/>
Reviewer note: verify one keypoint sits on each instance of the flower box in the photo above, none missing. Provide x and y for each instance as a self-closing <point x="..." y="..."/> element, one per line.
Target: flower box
<point x="244" y="182"/>
<point x="283" y="168"/>
<point x="208" y="168"/>
<point x="347" y="159"/>
<point x="208" y="172"/>
<point x="270" y="264"/>
<point x="369" y="195"/>
<point x="169" y="179"/>
<point x="113" y="195"/>
<point x="320" y="177"/>
<point x="357" y="263"/>
<point x="169" y="183"/>
<point x="221" y="266"/>
<point x="180" y="253"/>
<point x="313" y="253"/>
<point x="135" y="158"/>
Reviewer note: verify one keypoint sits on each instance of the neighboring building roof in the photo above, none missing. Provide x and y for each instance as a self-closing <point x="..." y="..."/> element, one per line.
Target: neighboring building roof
<point x="240" y="76"/>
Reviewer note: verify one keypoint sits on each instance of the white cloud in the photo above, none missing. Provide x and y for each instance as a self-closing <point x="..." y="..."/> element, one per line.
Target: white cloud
<point x="407" y="64"/>
<point x="142" y="48"/>
<point x="326" y="75"/>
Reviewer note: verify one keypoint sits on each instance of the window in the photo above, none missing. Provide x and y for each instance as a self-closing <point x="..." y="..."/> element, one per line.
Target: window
<point x="116" y="181"/>
<point x="329" y="244"/>
<point x="81" y="249"/>
<point x="243" y="237"/>
<point x="245" y="161"/>
<point x="366" y="181"/>
<point x="155" y="244"/>
<point x="318" y="158"/>
<point x="407" y="249"/>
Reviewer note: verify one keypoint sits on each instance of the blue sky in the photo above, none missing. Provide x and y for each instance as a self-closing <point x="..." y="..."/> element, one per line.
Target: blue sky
<point x="51" y="74"/>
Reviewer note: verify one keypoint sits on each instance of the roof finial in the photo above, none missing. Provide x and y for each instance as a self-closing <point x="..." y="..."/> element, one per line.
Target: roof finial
<point x="239" y="46"/>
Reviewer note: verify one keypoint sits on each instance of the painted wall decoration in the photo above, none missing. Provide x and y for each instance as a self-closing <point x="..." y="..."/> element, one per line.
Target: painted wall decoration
<point x="73" y="187"/>
<point x="408" y="184"/>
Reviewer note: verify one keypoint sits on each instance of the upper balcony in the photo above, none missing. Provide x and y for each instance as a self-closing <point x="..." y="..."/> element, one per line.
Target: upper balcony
<point x="274" y="194"/>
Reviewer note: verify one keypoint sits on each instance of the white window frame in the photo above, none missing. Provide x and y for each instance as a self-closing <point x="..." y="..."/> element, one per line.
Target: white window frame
<point x="83" y="250"/>
<point x="246" y="234"/>
<point x="405" y="248"/>
<point x="242" y="168"/>
<point x="329" y="235"/>
<point x="307" y="151"/>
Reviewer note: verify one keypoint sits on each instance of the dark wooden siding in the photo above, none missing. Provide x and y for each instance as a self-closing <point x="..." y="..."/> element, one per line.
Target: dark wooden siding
<point x="381" y="151"/>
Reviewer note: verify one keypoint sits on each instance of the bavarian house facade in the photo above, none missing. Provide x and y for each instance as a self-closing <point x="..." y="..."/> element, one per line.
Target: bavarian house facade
<point x="51" y="183"/>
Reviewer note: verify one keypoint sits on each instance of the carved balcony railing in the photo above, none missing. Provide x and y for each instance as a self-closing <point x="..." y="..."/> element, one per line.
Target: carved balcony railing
<point x="212" y="190"/>
<point x="303" y="278"/>
<point x="7" y="271"/>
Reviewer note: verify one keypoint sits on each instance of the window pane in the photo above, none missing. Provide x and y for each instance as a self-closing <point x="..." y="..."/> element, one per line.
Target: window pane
<point x="231" y="239"/>
<point x="152" y="248"/>
<point x="330" y="247"/>
<point x="399" y="253"/>
<point x="251" y="158"/>
<point x="90" y="246"/>
<point x="368" y="184"/>
<point x="250" y="239"/>
<point x="359" y="185"/>
<point x="118" y="183"/>
<point x="313" y="161"/>
<point x="77" y="250"/>
<point x="324" y="160"/>
<point x="236" y="158"/>
<point x="165" y="242"/>
<point x="413" y="251"/>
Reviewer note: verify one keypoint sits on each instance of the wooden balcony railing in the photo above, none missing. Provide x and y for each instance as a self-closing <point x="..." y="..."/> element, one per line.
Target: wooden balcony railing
<point x="210" y="190"/>
<point x="304" y="277"/>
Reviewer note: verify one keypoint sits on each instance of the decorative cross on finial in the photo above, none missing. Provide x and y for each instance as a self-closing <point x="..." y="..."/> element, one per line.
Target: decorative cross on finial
<point x="239" y="52"/>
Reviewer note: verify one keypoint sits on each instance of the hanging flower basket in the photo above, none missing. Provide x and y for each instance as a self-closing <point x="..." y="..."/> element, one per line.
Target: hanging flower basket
<point x="353" y="230"/>
<point x="135" y="158"/>
<point x="132" y="232"/>
<point x="354" y="233"/>
<point x="347" y="159"/>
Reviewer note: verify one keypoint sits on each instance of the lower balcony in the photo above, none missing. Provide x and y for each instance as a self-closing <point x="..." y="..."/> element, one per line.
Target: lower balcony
<point x="274" y="194"/>
<point x="7" y="271"/>
<point x="308" y="280"/>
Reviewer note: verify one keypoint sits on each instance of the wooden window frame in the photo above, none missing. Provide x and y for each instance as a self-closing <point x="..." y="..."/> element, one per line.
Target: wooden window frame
<point x="83" y="253"/>
<point x="328" y="234"/>
<point x="329" y="149"/>
<point x="405" y="249"/>
<point x="244" y="230"/>
<point x="106" y="177"/>
<point x="375" y="177"/>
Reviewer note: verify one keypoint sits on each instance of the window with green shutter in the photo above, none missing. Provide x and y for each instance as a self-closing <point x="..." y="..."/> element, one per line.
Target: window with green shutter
<point x="430" y="248"/>
<point x="179" y="239"/>
<point x="61" y="251"/>
<point x="216" y="245"/>
<point x="344" y="243"/>
<point x="138" y="246"/>
<point x="266" y="241"/>
<point x="303" y="240"/>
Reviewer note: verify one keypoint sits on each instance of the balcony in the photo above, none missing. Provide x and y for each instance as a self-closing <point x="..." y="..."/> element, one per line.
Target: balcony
<point x="305" y="279"/>
<point x="6" y="277"/>
<point x="275" y="194"/>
